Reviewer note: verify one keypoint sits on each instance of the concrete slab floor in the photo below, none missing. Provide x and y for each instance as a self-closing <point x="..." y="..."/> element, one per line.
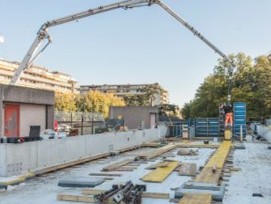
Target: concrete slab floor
<point x="44" y="189"/>
<point x="254" y="177"/>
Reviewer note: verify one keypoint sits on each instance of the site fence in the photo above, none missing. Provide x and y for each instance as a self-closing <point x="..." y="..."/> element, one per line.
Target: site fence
<point x="79" y="123"/>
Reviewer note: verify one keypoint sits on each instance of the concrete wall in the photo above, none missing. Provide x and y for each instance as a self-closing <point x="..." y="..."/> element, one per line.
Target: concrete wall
<point x="23" y="96"/>
<point x="32" y="115"/>
<point x="264" y="131"/>
<point x="133" y="116"/>
<point x="19" y="158"/>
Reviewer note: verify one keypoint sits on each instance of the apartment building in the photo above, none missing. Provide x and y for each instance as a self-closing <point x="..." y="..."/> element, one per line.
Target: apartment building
<point x="38" y="77"/>
<point x="122" y="90"/>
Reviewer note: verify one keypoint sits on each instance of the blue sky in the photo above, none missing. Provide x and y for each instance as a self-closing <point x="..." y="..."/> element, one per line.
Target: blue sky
<point x="142" y="45"/>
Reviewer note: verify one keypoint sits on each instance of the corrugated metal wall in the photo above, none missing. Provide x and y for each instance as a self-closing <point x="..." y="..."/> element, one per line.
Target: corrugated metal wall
<point x="207" y="127"/>
<point x="239" y="118"/>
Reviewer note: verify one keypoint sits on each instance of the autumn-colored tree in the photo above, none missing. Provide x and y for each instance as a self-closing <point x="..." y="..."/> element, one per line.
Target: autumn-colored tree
<point x="95" y="101"/>
<point x="65" y="102"/>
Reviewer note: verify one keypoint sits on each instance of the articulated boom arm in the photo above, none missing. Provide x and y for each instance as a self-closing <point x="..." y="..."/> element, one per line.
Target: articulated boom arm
<point x="43" y="34"/>
<point x="201" y="37"/>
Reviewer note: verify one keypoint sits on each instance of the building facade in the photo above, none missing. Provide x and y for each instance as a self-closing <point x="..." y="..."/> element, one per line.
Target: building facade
<point x="38" y="77"/>
<point x="122" y="90"/>
<point x="136" y="117"/>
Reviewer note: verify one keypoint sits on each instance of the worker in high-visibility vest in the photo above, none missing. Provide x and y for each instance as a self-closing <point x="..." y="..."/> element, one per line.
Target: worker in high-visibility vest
<point x="228" y="120"/>
<point x="228" y="115"/>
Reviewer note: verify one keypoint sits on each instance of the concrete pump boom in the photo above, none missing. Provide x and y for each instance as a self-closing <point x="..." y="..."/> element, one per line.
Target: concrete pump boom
<point x="42" y="34"/>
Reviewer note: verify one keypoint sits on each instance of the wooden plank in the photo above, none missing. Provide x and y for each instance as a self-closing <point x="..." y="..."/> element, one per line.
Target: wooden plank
<point x="105" y="174"/>
<point x="144" y="194"/>
<point x="159" y="164"/>
<point x="155" y="195"/>
<point x="69" y="164"/>
<point x="75" y="198"/>
<point x="188" y="169"/>
<point x="198" y="145"/>
<point x="124" y="169"/>
<point x="208" y="176"/>
<point x="132" y="164"/>
<point x="196" y="199"/>
<point x="219" y="158"/>
<point x="217" y="161"/>
<point x="154" y="153"/>
<point x="90" y="191"/>
<point x="117" y="164"/>
<point x="151" y="144"/>
<point x="161" y="173"/>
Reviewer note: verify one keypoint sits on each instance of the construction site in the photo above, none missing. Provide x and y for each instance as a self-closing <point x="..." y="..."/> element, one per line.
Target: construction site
<point x="135" y="155"/>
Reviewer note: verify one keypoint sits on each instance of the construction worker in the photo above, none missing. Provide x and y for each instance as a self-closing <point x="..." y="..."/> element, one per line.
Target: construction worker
<point x="228" y="115"/>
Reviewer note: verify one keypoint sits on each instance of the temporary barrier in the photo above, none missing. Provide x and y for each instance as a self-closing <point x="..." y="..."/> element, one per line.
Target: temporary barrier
<point x="177" y="129"/>
<point x="207" y="127"/>
<point x="239" y="118"/>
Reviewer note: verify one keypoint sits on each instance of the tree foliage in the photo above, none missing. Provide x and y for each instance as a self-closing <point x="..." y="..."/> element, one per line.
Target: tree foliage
<point x="65" y="102"/>
<point x="93" y="101"/>
<point x="145" y="97"/>
<point x="251" y="83"/>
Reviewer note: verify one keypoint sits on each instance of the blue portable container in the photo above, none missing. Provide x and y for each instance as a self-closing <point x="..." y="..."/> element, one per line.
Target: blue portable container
<point x="239" y="118"/>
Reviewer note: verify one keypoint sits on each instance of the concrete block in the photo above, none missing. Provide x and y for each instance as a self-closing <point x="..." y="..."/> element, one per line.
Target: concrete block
<point x="216" y="191"/>
<point x="80" y="182"/>
<point x="239" y="146"/>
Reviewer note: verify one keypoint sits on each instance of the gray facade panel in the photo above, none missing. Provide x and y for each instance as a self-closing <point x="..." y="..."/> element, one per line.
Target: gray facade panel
<point x="26" y="95"/>
<point x="133" y="116"/>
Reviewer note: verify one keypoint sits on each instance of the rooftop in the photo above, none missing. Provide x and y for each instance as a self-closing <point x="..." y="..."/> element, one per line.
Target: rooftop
<point x="251" y="174"/>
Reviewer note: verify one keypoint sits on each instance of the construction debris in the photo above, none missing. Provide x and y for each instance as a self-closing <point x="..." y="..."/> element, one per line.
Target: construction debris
<point x="125" y="194"/>
<point x="188" y="169"/>
<point x="144" y="194"/>
<point x="187" y="152"/>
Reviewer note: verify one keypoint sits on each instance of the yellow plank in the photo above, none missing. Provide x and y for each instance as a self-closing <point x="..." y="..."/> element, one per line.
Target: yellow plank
<point x="217" y="161"/>
<point x="196" y="199"/>
<point x="219" y="158"/>
<point x="161" y="173"/>
<point x="208" y="176"/>
<point x="154" y="153"/>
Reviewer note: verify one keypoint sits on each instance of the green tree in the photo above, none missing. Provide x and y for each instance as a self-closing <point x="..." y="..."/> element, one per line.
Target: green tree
<point x="95" y="101"/>
<point x="251" y="83"/>
<point x="186" y="110"/>
<point x="145" y="96"/>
